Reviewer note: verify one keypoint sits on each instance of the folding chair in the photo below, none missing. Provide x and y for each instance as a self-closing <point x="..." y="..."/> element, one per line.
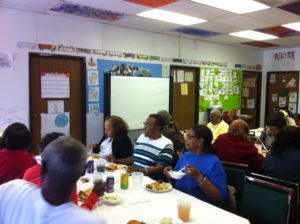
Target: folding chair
<point x="295" y="204"/>
<point x="236" y="173"/>
<point x="265" y="202"/>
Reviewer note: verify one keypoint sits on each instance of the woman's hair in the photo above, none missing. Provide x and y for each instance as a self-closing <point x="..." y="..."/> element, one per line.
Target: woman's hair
<point x="201" y="131"/>
<point x="49" y="138"/>
<point x="239" y="128"/>
<point x="277" y="119"/>
<point x="119" y="126"/>
<point x="287" y="137"/>
<point x="16" y="136"/>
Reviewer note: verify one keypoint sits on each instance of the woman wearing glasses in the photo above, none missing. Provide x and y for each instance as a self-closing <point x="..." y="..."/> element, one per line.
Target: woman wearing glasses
<point x="205" y="177"/>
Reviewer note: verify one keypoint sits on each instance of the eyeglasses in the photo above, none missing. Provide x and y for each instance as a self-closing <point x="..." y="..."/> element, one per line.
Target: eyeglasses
<point x="190" y="136"/>
<point x="148" y="124"/>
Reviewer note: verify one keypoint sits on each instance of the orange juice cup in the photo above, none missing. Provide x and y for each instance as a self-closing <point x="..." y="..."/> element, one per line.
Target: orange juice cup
<point x="184" y="207"/>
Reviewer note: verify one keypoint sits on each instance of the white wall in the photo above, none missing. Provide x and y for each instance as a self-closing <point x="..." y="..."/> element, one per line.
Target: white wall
<point x="37" y="28"/>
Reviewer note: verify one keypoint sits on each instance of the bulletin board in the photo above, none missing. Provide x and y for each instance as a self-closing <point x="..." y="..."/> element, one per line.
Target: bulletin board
<point x="282" y="91"/>
<point x="219" y="86"/>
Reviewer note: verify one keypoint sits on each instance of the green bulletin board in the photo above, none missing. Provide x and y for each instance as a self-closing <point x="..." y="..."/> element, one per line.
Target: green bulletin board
<point x="220" y="86"/>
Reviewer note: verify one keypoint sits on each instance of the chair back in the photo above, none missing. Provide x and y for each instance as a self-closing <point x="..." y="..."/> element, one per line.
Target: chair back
<point x="236" y="176"/>
<point x="295" y="204"/>
<point x="265" y="202"/>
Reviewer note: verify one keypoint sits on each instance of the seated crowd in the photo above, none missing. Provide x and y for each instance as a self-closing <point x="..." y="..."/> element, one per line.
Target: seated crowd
<point x="50" y="179"/>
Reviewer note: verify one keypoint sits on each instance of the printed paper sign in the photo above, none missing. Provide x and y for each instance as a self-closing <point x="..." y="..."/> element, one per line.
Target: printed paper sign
<point x="250" y="103"/>
<point x="180" y="75"/>
<point x="245" y="92"/>
<point x="282" y="101"/>
<point x="55" y="85"/>
<point x="293" y="97"/>
<point x="93" y="94"/>
<point x="188" y="76"/>
<point x="184" y="89"/>
<point x="274" y="97"/>
<point x="272" y="78"/>
<point x="55" y="106"/>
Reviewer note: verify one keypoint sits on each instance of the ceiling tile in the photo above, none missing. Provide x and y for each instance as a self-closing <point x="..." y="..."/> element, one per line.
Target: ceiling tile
<point x="244" y="22"/>
<point x="198" y="10"/>
<point x="275" y="16"/>
<point x="113" y="5"/>
<point x="195" y="32"/>
<point x="31" y="5"/>
<point x="293" y="7"/>
<point x="88" y="12"/>
<point x="279" y="31"/>
<point x="217" y="27"/>
<point x="259" y="44"/>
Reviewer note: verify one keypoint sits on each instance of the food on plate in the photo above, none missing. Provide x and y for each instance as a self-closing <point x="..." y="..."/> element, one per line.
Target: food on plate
<point x="135" y="222"/>
<point x="166" y="220"/>
<point x="94" y="156"/>
<point x="159" y="186"/>
<point x="83" y="195"/>
<point x="111" y="197"/>
<point x="84" y="179"/>
<point x="113" y="167"/>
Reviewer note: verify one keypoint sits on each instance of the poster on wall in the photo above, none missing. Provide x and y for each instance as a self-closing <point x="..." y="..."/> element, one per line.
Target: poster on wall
<point x="94" y="109"/>
<point x="59" y="122"/>
<point x="293" y="107"/>
<point x="6" y="60"/>
<point x="93" y="94"/>
<point x="55" y="106"/>
<point x="284" y="60"/>
<point x="55" y="85"/>
<point x="91" y="63"/>
<point x="282" y="102"/>
<point x="293" y="97"/>
<point x="9" y="116"/>
<point x="93" y="78"/>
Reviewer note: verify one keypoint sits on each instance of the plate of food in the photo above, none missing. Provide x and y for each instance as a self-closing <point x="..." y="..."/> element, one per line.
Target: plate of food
<point x="83" y="195"/>
<point x="112" y="198"/>
<point x="168" y="220"/>
<point x="158" y="187"/>
<point x="114" y="166"/>
<point x="93" y="156"/>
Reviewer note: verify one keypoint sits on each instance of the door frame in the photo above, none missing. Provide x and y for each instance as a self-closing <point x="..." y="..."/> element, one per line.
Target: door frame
<point x="197" y="79"/>
<point x="83" y="87"/>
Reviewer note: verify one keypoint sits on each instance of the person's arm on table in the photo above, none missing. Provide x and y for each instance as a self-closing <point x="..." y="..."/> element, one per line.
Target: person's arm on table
<point x="98" y="191"/>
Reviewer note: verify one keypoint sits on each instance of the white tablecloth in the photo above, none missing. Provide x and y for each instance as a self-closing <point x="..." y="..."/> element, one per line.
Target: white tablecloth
<point x="150" y="207"/>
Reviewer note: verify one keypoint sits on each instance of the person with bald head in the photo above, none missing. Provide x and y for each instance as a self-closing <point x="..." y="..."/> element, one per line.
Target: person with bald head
<point x="216" y="124"/>
<point x="63" y="162"/>
<point x="235" y="146"/>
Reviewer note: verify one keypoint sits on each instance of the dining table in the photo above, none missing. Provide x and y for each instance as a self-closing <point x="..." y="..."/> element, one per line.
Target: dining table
<point x="151" y="207"/>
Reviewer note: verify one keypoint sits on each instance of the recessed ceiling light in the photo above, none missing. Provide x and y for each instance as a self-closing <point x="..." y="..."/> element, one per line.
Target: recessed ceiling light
<point x="236" y="6"/>
<point x="253" y="35"/>
<point x="171" y="17"/>
<point x="293" y="26"/>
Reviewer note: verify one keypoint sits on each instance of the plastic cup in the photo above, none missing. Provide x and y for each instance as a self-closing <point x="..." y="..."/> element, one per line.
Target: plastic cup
<point x="100" y="165"/>
<point x="184" y="208"/>
<point x="137" y="179"/>
<point x="97" y="177"/>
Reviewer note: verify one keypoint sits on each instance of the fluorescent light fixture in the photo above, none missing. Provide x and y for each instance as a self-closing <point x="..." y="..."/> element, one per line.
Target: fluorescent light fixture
<point x="171" y="17"/>
<point x="253" y="35"/>
<point x="293" y="26"/>
<point x="236" y="6"/>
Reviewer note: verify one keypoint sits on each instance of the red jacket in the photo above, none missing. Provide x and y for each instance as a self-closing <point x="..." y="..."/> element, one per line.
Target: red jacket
<point x="14" y="163"/>
<point x="33" y="175"/>
<point x="238" y="150"/>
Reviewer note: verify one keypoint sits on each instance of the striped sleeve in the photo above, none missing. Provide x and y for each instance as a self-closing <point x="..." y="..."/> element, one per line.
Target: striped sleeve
<point x="165" y="157"/>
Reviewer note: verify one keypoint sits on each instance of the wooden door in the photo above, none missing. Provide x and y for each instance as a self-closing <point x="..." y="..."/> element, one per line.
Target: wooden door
<point x="75" y="104"/>
<point x="184" y="91"/>
<point x="282" y="90"/>
<point x="251" y="91"/>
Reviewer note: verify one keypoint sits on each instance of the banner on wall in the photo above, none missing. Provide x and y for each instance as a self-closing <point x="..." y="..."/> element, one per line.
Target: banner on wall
<point x="283" y="60"/>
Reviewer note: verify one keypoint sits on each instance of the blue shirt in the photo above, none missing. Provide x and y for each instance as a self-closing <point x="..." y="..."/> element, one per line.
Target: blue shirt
<point x="210" y="166"/>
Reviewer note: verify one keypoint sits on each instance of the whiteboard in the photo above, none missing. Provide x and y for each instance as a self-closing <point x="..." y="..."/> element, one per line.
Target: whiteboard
<point x="9" y="116"/>
<point x="134" y="98"/>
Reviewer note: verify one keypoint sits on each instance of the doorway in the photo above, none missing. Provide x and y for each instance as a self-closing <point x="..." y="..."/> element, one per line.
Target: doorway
<point x="251" y="91"/>
<point x="75" y="104"/>
<point x="184" y="95"/>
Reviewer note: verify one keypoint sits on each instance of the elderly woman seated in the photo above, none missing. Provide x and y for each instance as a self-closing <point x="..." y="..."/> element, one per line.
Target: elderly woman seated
<point x="205" y="177"/>
<point x="235" y="146"/>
